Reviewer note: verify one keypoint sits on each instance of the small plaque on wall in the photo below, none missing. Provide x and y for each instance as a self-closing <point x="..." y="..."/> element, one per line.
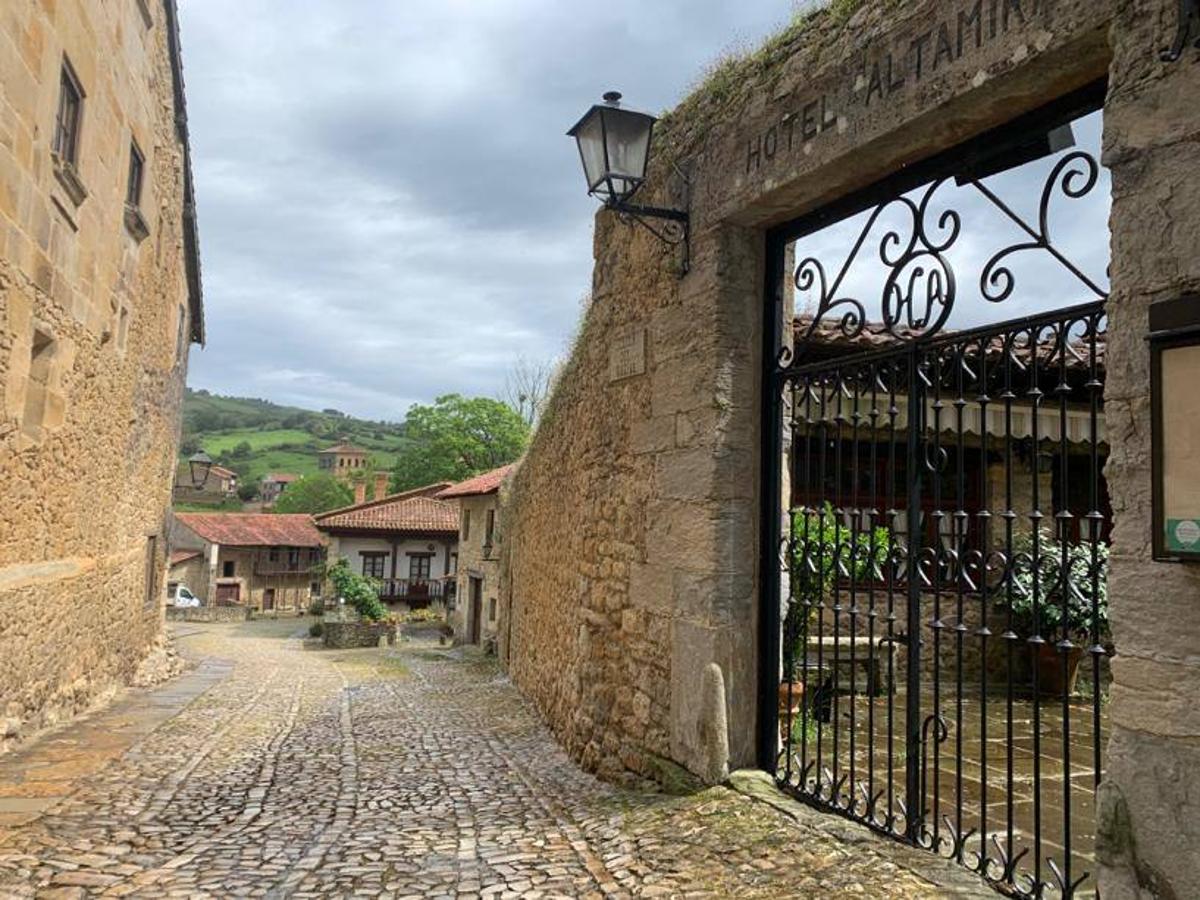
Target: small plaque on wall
<point x="627" y="354"/>
<point x="1175" y="427"/>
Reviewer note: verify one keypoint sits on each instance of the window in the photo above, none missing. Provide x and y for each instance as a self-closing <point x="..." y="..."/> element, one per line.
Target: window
<point x="70" y="112"/>
<point x="466" y="525"/>
<point x="181" y="333"/>
<point x="293" y="557"/>
<point x="151" y="597"/>
<point x="228" y="568"/>
<point x="418" y="568"/>
<point x="492" y="609"/>
<point x="137" y="165"/>
<point x="123" y="329"/>
<point x="314" y="555"/>
<point x="372" y="564"/>
<point x="37" y="385"/>
<point x="272" y="555"/>
<point x="490" y="528"/>
<point x="453" y="564"/>
<point x="314" y="589"/>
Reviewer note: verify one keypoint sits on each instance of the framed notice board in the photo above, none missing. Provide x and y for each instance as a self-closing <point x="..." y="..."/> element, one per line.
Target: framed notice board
<point x="1175" y="427"/>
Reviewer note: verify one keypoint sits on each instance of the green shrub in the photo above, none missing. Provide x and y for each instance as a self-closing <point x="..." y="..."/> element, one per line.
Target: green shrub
<point x="316" y="629"/>
<point x="360" y="592"/>
<point x="1041" y="611"/>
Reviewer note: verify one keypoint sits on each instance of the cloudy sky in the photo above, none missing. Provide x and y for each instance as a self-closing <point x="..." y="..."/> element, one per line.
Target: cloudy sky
<point x="389" y="208"/>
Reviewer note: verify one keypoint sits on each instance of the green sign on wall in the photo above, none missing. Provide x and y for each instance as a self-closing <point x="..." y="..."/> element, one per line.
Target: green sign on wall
<point x="1183" y="535"/>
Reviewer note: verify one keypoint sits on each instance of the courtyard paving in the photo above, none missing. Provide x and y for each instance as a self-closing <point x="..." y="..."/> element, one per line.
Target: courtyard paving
<point x="276" y="769"/>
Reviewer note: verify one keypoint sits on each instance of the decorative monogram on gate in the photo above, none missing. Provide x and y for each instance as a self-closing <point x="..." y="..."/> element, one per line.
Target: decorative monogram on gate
<point x="921" y="285"/>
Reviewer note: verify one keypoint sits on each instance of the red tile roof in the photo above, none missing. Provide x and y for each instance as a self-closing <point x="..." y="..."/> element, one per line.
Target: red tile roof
<point x="178" y="556"/>
<point x="487" y="483"/>
<point x="408" y="513"/>
<point x="222" y="471"/>
<point x="254" y="529"/>
<point x="281" y="477"/>
<point x="345" y="448"/>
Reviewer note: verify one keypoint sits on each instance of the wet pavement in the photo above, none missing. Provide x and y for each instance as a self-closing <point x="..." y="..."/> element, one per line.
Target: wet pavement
<point x="277" y="769"/>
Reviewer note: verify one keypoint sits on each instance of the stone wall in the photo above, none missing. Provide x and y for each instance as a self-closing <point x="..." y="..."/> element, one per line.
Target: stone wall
<point x="208" y="613"/>
<point x="338" y="635"/>
<point x="95" y="322"/>
<point x="631" y="536"/>
<point x="1150" y="821"/>
<point x="472" y="563"/>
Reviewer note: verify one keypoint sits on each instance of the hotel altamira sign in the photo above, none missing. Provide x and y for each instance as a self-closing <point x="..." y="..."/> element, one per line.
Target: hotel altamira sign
<point x="965" y="29"/>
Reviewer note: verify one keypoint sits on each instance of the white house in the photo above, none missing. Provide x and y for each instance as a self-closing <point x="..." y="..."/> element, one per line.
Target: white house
<point x="408" y="541"/>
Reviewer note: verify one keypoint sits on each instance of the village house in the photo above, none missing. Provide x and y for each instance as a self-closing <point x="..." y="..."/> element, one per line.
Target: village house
<point x="476" y="618"/>
<point x="344" y="461"/>
<point x="219" y="485"/>
<point x="407" y="541"/>
<point x="272" y="485"/>
<point x="266" y="561"/>
<point x="100" y="301"/>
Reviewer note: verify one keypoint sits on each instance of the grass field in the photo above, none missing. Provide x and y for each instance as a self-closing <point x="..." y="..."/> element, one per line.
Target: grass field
<point x="218" y="441"/>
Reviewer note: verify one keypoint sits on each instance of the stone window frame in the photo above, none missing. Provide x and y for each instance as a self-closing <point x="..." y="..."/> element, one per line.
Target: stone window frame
<point x="151" y="574"/>
<point x="43" y="351"/>
<point x="68" y="132"/>
<point x="135" y="222"/>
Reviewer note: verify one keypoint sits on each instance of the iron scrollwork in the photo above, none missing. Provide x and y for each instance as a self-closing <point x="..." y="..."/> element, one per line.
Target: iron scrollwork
<point x="921" y="287"/>
<point x="1187" y="30"/>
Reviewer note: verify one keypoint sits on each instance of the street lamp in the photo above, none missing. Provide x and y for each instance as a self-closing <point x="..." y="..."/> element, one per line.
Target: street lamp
<point x="199" y="464"/>
<point x="614" y="148"/>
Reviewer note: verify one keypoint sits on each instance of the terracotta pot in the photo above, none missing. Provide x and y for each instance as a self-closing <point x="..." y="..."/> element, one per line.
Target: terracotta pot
<point x="796" y="689"/>
<point x="1049" y="664"/>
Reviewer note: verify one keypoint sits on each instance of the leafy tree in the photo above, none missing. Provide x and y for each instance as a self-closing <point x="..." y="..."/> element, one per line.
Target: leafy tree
<point x="458" y="437"/>
<point x="247" y="491"/>
<point x="314" y="494"/>
<point x="241" y="450"/>
<point x="360" y="592"/>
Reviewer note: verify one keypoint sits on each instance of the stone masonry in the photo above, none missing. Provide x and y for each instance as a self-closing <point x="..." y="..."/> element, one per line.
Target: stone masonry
<point x="631" y="534"/>
<point x="99" y="302"/>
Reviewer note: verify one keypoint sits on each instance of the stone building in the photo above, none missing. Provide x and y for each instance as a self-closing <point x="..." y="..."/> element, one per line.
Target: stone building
<point x="269" y="562"/>
<point x="476" y="615"/>
<point x="272" y="485"/>
<point x="638" y="549"/>
<point x="345" y="461"/>
<point x="220" y="485"/>
<point x="99" y="302"/>
<point x="407" y="541"/>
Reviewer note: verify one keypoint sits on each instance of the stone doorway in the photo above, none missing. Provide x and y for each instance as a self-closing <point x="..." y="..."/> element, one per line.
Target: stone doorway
<point x="944" y="559"/>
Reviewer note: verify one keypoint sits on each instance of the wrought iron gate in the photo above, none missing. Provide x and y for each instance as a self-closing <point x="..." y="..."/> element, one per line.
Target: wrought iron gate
<point x="943" y="551"/>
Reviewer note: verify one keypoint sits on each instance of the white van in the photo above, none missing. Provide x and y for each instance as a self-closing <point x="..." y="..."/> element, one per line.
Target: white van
<point x="179" y="595"/>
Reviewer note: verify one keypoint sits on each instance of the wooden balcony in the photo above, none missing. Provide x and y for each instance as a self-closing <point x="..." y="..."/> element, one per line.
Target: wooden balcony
<point x="416" y="593"/>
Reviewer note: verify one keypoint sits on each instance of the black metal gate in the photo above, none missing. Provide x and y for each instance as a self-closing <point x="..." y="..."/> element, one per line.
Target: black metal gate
<point x="942" y="550"/>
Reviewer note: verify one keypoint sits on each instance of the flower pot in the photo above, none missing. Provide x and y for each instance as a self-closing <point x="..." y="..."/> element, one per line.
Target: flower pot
<point x="788" y="713"/>
<point x="1048" y="662"/>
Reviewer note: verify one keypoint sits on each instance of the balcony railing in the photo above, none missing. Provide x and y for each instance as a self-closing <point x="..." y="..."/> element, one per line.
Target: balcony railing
<point x="415" y="590"/>
<point x="283" y="567"/>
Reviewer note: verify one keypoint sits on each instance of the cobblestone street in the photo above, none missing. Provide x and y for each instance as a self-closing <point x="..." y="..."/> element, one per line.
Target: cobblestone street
<point x="276" y="769"/>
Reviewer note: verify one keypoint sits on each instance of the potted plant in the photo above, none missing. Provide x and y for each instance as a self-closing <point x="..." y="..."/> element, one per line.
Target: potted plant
<point x="823" y="548"/>
<point x="1062" y="602"/>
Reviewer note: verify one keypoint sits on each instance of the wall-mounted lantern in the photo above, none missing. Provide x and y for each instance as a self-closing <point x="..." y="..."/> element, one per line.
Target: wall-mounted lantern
<point x="199" y="465"/>
<point x="614" y="147"/>
<point x="1175" y="427"/>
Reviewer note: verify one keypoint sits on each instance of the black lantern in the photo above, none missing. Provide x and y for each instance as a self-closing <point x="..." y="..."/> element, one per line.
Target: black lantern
<point x="614" y="147"/>
<point x="199" y="465"/>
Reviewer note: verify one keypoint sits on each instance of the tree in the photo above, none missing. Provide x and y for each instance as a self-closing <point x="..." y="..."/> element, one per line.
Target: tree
<point x="526" y="386"/>
<point x="458" y="437"/>
<point x="247" y="491"/>
<point x="314" y="494"/>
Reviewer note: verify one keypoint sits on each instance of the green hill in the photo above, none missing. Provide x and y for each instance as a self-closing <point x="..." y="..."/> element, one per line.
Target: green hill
<point x="253" y="436"/>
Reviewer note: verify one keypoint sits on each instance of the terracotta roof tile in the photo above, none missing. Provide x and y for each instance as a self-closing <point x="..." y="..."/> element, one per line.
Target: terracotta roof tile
<point x="345" y="448"/>
<point x="407" y="513"/>
<point x="254" y="529"/>
<point x="281" y="477"/>
<point x="178" y="556"/>
<point x="487" y="483"/>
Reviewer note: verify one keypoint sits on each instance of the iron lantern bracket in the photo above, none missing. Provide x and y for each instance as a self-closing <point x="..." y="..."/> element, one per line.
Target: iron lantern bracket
<point x="671" y="226"/>
<point x="1188" y="31"/>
